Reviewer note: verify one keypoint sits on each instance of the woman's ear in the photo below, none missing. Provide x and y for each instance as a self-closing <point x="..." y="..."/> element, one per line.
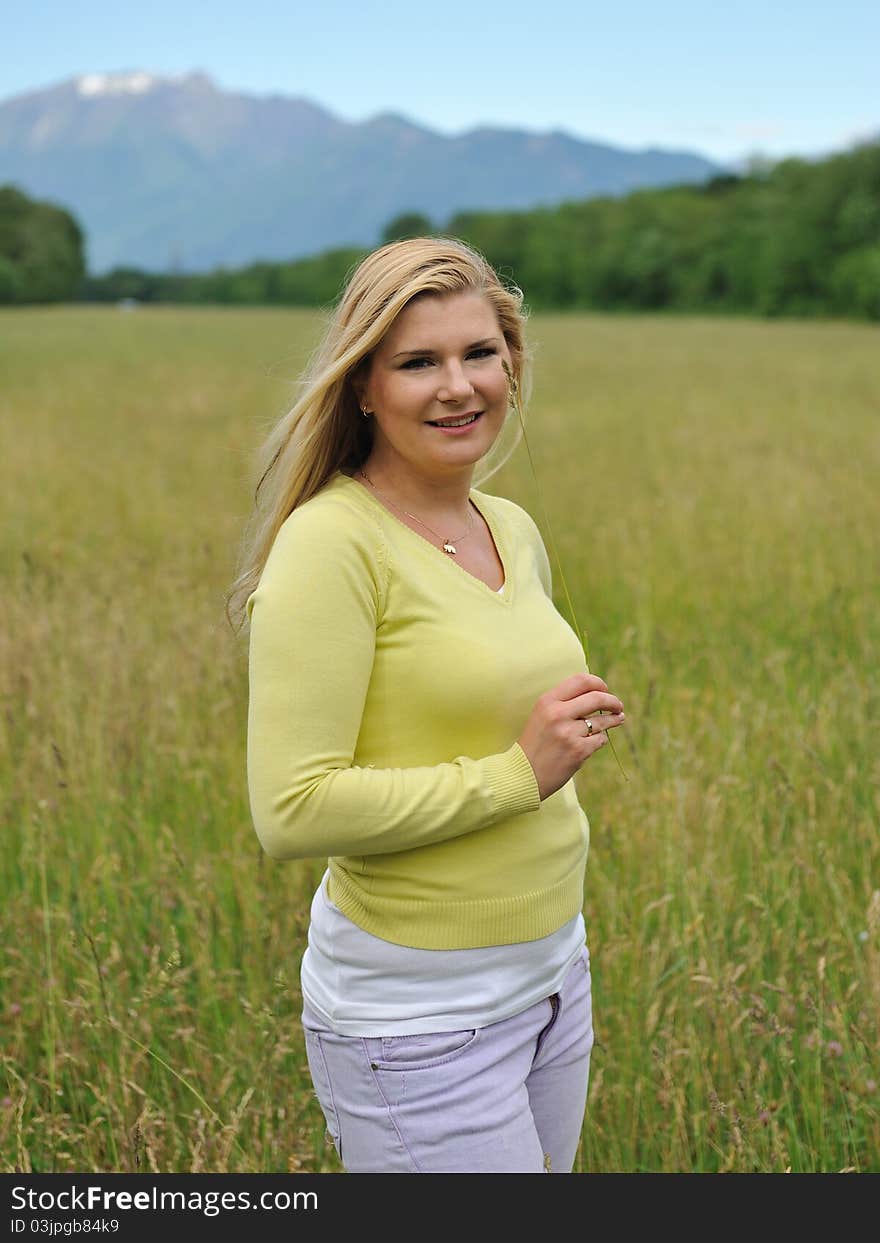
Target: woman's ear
<point x="359" y="384"/>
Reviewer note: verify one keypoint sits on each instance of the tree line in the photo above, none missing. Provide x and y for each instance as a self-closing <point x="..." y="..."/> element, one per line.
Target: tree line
<point x="42" y="256"/>
<point x="797" y="238"/>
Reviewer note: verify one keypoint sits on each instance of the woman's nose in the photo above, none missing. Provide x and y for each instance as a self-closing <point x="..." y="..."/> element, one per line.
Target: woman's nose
<point x="454" y="383"/>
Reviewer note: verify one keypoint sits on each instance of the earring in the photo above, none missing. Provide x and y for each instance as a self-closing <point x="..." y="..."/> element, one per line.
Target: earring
<point x="366" y="413"/>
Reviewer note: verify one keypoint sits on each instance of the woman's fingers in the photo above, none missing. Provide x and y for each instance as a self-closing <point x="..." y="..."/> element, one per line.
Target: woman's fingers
<point x="595" y="701"/>
<point x="578" y="684"/>
<point x="606" y="722"/>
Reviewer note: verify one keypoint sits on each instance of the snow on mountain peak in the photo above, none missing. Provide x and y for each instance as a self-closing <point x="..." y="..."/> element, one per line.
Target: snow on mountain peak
<point x="91" y="84"/>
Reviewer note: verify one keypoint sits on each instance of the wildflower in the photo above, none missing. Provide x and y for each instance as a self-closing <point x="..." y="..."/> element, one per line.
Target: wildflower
<point x="835" y="1048"/>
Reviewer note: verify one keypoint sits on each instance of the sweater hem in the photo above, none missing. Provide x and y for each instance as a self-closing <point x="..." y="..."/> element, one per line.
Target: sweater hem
<point x="454" y="925"/>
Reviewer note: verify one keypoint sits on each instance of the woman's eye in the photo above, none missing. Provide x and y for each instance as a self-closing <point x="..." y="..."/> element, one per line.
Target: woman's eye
<point x="415" y="363"/>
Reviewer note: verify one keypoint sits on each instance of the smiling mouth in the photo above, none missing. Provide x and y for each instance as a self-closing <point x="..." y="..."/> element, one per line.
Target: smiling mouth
<point x="461" y="421"/>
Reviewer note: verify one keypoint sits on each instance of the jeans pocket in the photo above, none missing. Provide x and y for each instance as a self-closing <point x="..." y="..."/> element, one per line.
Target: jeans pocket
<point x="323" y="1089"/>
<point x="420" y="1051"/>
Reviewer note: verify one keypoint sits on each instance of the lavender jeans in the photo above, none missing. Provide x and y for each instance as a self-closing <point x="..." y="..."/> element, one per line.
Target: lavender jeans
<point x="504" y="1099"/>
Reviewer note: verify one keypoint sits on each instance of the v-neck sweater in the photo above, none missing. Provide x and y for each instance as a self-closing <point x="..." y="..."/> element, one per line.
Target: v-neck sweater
<point x="388" y="688"/>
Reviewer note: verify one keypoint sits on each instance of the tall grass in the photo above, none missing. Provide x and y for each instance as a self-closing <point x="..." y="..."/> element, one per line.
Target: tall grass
<point x="712" y="487"/>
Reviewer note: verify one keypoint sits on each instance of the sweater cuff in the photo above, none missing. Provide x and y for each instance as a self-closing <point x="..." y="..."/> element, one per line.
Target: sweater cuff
<point x="513" y="783"/>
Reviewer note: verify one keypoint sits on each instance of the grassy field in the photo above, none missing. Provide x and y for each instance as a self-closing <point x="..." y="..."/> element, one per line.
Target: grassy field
<point x="713" y="489"/>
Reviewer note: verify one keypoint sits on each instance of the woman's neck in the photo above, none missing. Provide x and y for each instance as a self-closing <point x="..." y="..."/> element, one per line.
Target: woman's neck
<point x="424" y="496"/>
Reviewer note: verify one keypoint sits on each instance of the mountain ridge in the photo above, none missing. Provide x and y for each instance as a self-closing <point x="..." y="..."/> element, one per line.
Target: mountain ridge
<point x="173" y="171"/>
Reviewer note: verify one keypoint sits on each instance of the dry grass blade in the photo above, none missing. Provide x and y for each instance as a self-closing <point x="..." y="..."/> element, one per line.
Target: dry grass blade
<point x="582" y="634"/>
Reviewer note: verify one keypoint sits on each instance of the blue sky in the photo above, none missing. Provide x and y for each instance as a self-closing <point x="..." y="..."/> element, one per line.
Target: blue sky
<point x="726" y="79"/>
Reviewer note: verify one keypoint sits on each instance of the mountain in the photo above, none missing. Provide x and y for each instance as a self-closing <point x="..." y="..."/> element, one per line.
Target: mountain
<point x="176" y="172"/>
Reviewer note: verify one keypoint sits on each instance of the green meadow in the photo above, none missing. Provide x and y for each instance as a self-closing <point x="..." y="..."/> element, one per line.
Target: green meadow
<point x="712" y="487"/>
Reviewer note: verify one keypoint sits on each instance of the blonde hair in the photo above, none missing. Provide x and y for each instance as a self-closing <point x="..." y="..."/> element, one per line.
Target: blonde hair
<point x="324" y="431"/>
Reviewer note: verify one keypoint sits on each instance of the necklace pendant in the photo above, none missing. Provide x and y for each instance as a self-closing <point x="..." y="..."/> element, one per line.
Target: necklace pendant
<point x="450" y="548"/>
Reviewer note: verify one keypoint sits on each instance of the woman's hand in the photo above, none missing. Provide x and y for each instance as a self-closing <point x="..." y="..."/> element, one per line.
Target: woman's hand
<point x="555" y="737"/>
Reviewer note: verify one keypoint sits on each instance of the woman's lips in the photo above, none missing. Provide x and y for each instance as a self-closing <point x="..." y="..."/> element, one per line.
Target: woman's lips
<point x="465" y="427"/>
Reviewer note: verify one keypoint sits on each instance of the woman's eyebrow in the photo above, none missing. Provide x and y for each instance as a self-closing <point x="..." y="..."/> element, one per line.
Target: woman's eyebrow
<point x="473" y="345"/>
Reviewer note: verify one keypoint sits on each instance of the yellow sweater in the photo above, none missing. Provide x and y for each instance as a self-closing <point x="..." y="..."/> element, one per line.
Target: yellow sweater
<point x="388" y="686"/>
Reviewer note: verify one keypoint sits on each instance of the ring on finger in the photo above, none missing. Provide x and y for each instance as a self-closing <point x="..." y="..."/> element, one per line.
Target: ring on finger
<point x="589" y="724"/>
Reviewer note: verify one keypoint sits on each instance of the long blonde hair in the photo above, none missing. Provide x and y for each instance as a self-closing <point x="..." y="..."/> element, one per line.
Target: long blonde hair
<point x="324" y="431"/>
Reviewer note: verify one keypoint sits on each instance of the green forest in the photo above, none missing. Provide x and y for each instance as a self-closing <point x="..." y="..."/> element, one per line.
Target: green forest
<point x="41" y="251"/>
<point x="796" y="238"/>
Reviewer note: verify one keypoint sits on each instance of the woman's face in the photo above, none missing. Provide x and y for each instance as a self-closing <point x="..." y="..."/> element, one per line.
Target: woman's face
<point x="440" y="360"/>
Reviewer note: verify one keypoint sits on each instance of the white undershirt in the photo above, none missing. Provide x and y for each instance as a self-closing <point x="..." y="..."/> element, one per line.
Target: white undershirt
<point x="360" y="985"/>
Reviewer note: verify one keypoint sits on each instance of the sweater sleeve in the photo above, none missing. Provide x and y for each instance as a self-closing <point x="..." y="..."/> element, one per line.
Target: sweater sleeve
<point x="313" y="622"/>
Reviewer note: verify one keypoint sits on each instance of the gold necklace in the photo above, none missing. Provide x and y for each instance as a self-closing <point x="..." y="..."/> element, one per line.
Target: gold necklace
<point x="448" y="545"/>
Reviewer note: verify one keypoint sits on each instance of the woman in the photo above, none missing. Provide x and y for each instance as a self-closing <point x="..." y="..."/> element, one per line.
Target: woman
<point x="418" y="709"/>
